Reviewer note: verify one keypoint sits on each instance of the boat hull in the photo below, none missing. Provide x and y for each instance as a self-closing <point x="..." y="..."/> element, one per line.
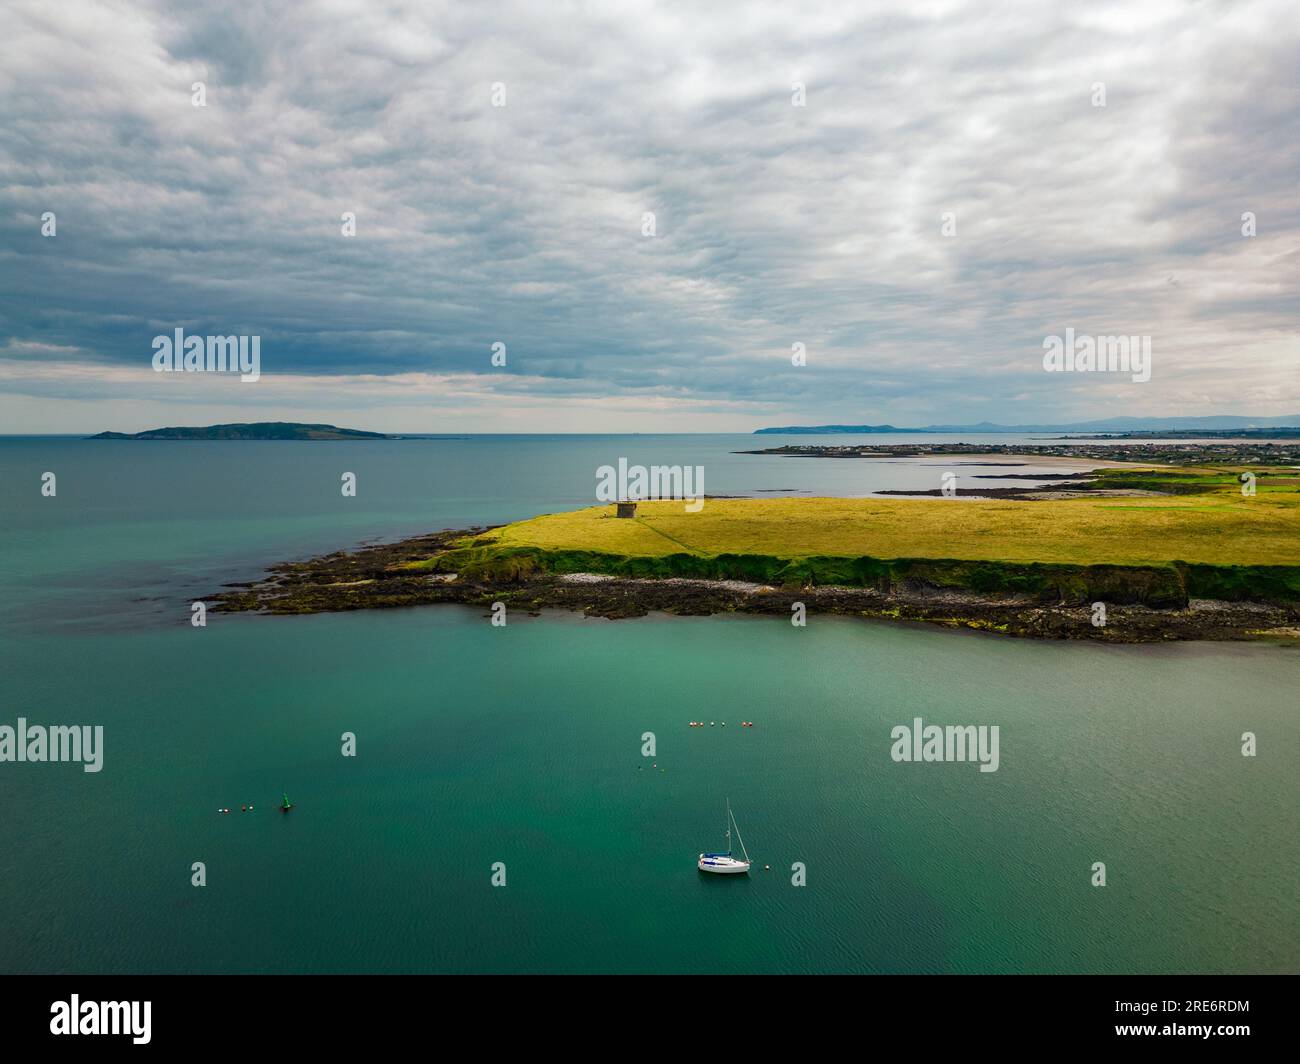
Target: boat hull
<point x="726" y="866"/>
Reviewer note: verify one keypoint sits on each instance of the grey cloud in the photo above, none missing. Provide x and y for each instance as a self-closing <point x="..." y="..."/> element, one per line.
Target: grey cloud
<point x="775" y="224"/>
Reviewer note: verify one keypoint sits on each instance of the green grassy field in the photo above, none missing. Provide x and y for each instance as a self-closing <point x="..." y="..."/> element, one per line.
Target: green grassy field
<point x="1219" y="527"/>
<point x="1209" y="539"/>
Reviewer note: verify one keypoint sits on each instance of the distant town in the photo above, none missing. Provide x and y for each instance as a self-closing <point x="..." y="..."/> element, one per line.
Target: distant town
<point x="1237" y="452"/>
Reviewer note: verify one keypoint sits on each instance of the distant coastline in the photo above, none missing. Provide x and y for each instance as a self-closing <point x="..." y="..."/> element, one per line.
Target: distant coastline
<point x="1216" y="425"/>
<point x="1139" y="449"/>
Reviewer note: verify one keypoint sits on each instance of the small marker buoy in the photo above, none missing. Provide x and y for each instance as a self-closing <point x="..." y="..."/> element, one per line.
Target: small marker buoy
<point x="767" y="868"/>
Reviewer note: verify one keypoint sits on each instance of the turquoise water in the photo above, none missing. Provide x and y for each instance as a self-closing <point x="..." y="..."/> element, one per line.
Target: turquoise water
<point x="522" y="745"/>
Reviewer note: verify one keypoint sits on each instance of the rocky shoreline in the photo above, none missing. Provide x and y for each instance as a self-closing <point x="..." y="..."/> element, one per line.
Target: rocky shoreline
<point x="380" y="577"/>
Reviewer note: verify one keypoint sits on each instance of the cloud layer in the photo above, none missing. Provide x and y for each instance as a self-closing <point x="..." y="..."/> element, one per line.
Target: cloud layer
<point x="774" y="223"/>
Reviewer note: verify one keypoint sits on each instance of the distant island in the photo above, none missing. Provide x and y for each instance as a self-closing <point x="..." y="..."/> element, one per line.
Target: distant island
<point x="260" y="430"/>
<point x="1218" y="424"/>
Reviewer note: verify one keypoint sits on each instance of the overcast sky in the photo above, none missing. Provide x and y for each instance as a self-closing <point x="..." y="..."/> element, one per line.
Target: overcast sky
<point x="774" y="224"/>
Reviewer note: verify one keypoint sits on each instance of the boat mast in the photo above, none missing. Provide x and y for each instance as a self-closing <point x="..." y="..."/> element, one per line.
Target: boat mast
<point x="741" y="841"/>
<point x="728" y="826"/>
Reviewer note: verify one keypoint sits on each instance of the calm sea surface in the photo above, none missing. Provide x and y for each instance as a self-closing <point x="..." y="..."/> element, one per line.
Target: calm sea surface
<point x="522" y="745"/>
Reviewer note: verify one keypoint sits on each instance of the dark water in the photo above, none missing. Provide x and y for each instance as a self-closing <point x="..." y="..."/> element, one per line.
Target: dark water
<point x="522" y="745"/>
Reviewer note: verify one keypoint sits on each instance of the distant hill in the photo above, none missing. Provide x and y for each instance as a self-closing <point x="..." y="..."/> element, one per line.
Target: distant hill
<point x="261" y="430"/>
<point x="1223" y="422"/>
<point x="810" y="429"/>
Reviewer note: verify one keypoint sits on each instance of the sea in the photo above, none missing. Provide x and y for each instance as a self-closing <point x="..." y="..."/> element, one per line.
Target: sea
<point x="471" y="798"/>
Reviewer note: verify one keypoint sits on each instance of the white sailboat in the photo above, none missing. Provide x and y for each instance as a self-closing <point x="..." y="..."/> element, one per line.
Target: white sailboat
<point x="723" y="862"/>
